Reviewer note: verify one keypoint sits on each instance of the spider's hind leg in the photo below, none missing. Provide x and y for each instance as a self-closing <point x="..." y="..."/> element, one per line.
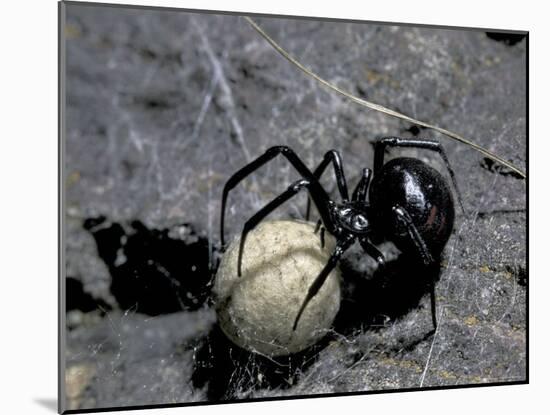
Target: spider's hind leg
<point x="432" y="145"/>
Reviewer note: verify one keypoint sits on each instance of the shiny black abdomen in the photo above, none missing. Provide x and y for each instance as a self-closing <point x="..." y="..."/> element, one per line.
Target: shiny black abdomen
<point x="423" y="193"/>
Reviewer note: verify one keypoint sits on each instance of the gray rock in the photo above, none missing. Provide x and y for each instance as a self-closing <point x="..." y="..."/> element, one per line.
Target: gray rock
<point x="162" y="107"/>
<point x="137" y="359"/>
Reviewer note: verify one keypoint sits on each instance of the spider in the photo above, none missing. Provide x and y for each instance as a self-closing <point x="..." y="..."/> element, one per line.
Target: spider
<point x="409" y="203"/>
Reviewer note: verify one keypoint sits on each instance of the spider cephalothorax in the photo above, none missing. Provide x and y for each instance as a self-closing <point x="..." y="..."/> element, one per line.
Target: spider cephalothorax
<point x="409" y="203"/>
<point x="351" y="217"/>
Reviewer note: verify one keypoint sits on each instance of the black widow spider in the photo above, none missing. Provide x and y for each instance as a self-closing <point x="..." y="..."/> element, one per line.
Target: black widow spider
<point x="409" y="204"/>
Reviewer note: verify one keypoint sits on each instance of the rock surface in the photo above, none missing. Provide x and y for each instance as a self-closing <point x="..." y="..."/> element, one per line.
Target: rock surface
<point x="163" y="106"/>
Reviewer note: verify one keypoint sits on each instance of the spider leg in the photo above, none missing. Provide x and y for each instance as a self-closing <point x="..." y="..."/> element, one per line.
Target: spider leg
<point x="360" y="192"/>
<point x="423" y="144"/>
<point x="432" y="302"/>
<point x="373" y="252"/>
<point x="336" y="159"/>
<point x="404" y="218"/>
<point x="292" y="190"/>
<point x="318" y="226"/>
<point x="341" y="247"/>
<point x="319" y="195"/>
<point x="427" y="258"/>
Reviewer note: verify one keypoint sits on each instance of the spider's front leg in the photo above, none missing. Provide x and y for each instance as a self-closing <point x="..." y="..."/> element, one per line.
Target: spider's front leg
<point x="335" y="158"/>
<point x="319" y="226"/>
<point x="266" y="210"/>
<point x="319" y="195"/>
<point x="341" y="247"/>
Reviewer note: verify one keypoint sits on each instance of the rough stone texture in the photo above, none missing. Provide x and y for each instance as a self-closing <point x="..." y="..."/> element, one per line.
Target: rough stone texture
<point x="281" y="259"/>
<point x="162" y="107"/>
<point x="137" y="360"/>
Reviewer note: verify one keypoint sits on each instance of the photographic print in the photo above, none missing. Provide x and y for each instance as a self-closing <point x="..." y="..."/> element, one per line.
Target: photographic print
<point x="259" y="207"/>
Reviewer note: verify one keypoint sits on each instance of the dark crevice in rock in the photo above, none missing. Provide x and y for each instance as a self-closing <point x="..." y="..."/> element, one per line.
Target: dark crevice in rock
<point x="490" y="165"/>
<point x="361" y="92"/>
<point x="247" y="73"/>
<point x="78" y="299"/>
<point x="153" y="101"/>
<point x="509" y="39"/>
<point x="147" y="53"/>
<point x="519" y="272"/>
<point x="415" y="130"/>
<point x="156" y="104"/>
<point x="152" y="272"/>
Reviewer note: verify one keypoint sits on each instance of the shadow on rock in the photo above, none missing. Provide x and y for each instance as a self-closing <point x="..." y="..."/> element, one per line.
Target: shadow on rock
<point x="231" y="372"/>
<point x="390" y="293"/>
